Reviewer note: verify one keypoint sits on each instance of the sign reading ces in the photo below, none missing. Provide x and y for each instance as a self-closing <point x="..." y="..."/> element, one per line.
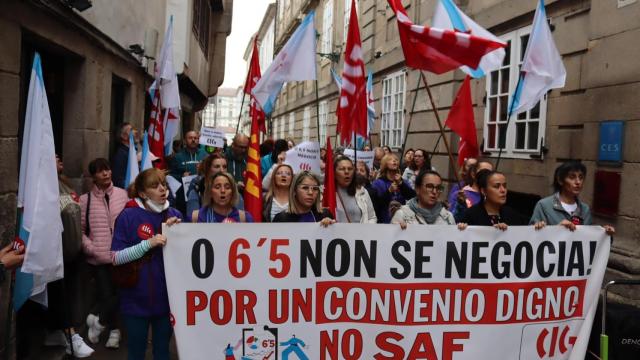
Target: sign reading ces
<point x="611" y="136"/>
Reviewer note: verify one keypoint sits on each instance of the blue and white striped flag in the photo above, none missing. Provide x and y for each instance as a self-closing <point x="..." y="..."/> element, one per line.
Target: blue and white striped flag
<point x="295" y="62"/>
<point x="132" y="164"/>
<point x="448" y="16"/>
<point x="542" y="67"/>
<point x="146" y="160"/>
<point x="40" y="224"/>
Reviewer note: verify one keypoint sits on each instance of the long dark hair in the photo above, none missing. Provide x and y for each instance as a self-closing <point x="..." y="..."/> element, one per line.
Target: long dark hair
<point x="483" y="177"/>
<point x="279" y="146"/>
<point x="425" y="156"/>
<point x="351" y="188"/>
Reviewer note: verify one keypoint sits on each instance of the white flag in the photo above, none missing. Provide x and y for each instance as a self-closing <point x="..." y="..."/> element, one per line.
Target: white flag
<point x="38" y="195"/>
<point x="542" y="67"/>
<point x="449" y="16"/>
<point x="295" y="62"/>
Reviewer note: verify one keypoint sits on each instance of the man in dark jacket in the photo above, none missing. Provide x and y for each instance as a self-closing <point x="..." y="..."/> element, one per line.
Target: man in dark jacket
<point x="120" y="157"/>
<point x="186" y="161"/>
<point x="237" y="159"/>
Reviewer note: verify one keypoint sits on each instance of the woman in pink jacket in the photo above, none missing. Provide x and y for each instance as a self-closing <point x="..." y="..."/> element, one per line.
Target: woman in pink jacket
<point x="104" y="203"/>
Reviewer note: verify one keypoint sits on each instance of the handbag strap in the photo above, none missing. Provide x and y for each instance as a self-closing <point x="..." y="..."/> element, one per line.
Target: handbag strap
<point x="344" y="208"/>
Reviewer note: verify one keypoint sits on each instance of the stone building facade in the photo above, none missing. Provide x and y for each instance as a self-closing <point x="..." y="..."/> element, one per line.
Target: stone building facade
<point x="97" y="67"/>
<point x="595" y="40"/>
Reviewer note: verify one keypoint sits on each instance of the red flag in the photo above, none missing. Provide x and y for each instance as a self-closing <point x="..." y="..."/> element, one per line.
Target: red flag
<point x="329" y="194"/>
<point x="156" y="131"/>
<point x="352" y="107"/>
<point x="253" y="176"/>
<point x="439" y="50"/>
<point x="255" y="112"/>
<point x="461" y="121"/>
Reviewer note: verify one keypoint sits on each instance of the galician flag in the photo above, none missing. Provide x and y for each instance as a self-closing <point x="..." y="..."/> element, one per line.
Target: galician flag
<point x="132" y="162"/>
<point x="147" y="159"/>
<point x="448" y="16"/>
<point x="167" y="84"/>
<point x="40" y="224"/>
<point x="542" y="67"/>
<point x="295" y="62"/>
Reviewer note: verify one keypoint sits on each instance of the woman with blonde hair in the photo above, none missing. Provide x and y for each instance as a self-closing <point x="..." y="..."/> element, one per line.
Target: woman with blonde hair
<point x="276" y="199"/>
<point x="139" y="267"/>
<point x="304" y="202"/>
<point x="389" y="186"/>
<point x="219" y="200"/>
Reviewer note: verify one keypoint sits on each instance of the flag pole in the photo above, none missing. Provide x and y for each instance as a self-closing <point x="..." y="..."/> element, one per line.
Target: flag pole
<point x="241" y="106"/>
<point x="317" y="110"/>
<point x="413" y="107"/>
<point x="444" y="138"/>
<point x="509" y="114"/>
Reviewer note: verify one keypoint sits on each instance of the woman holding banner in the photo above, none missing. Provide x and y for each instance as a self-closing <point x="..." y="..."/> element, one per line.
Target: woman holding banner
<point x="139" y="267"/>
<point x="426" y="208"/>
<point x="564" y="207"/>
<point x="304" y="202"/>
<point x="492" y="209"/>
<point x="389" y="186"/>
<point x="220" y="198"/>
<point x="353" y="202"/>
<point x="276" y="200"/>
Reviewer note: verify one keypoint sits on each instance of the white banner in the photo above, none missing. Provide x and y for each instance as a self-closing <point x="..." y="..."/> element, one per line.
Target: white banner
<point x="305" y="156"/>
<point x="212" y="137"/>
<point x="366" y="156"/>
<point x="351" y="291"/>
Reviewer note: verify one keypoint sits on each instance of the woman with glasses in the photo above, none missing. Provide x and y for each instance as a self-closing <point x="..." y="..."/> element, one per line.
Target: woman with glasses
<point x="564" y="207"/>
<point x="388" y="187"/>
<point x="420" y="163"/>
<point x="276" y="199"/>
<point x="353" y="202"/>
<point x="304" y="202"/>
<point x="426" y="208"/>
<point x="221" y="196"/>
<point x="492" y="209"/>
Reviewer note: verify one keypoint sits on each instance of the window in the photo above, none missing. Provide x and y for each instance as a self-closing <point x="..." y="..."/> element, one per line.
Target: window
<point x="327" y="28"/>
<point x="306" y="123"/>
<point x="200" y="28"/>
<point x="282" y="121"/>
<point x="292" y="125"/>
<point x="392" y="125"/>
<point x="347" y="14"/>
<point x="525" y="132"/>
<point x="323" y="108"/>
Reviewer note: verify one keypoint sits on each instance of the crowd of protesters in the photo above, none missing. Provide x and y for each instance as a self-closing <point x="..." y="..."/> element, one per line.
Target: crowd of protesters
<point x="118" y="230"/>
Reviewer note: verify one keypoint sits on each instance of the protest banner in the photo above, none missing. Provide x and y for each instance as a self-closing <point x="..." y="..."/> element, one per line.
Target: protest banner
<point x="351" y="291"/>
<point x="304" y="156"/>
<point x="212" y="137"/>
<point x="366" y="156"/>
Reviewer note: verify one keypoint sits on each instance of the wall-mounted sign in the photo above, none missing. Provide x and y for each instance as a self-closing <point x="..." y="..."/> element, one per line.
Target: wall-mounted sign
<point x="611" y="142"/>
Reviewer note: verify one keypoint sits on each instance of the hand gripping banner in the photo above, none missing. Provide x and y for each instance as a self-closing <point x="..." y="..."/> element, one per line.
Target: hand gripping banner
<point x="351" y="291"/>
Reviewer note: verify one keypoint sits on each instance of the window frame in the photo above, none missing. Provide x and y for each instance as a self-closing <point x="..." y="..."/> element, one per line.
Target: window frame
<point x="390" y="109"/>
<point x="326" y="45"/>
<point x="516" y="51"/>
<point x="323" y="109"/>
<point x="306" y="124"/>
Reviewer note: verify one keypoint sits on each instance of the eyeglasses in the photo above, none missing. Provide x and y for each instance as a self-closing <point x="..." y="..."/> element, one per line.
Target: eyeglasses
<point x="431" y="187"/>
<point x="284" y="173"/>
<point x="309" y="188"/>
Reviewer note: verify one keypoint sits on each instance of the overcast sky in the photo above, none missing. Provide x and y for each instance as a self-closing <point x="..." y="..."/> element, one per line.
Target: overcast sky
<point x="247" y="16"/>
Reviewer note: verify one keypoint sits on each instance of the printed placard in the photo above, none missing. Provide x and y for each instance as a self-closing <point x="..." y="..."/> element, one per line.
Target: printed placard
<point x="212" y="137"/>
<point x="304" y="157"/>
<point x="356" y="291"/>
